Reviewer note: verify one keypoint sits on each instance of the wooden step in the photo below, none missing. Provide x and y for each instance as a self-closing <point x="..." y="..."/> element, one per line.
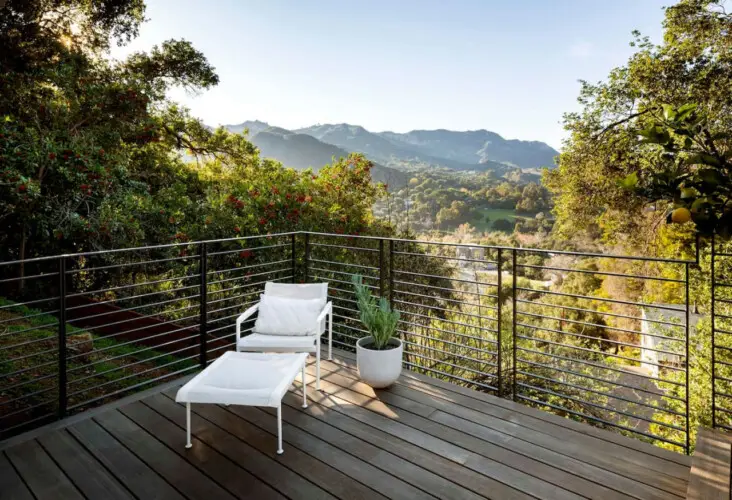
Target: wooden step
<point x="711" y="466"/>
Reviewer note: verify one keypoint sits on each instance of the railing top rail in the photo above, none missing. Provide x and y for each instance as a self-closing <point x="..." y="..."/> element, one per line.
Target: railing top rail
<point x="518" y="249"/>
<point x="147" y="247"/>
<point x="353" y="236"/>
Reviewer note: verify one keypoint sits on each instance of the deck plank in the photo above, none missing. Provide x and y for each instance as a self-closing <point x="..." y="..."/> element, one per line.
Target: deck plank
<point x="366" y="450"/>
<point x="619" y="455"/>
<point x="11" y="485"/>
<point x="225" y="472"/>
<point x="129" y="470"/>
<point x="300" y="461"/>
<point x="421" y="438"/>
<point x="554" y="468"/>
<point x="87" y="474"/>
<point x="710" y="471"/>
<point x="466" y="450"/>
<point x="267" y="466"/>
<point x="179" y="473"/>
<point x="585" y="461"/>
<point x="390" y="486"/>
<point x="322" y="409"/>
<point x="348" y="360"/>
<point x="43" y="477"/>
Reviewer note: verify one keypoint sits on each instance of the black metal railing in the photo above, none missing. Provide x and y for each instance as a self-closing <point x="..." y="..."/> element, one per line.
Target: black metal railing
<point x="721" y="336"/>
<point x="79" y="330"/>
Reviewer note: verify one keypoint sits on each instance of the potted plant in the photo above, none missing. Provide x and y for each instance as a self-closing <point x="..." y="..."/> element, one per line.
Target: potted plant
<point x="379" y="356"/>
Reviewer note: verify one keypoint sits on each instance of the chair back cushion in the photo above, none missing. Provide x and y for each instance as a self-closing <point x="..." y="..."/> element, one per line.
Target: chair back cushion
<point x="287" y="316"/>
<point x="298" y="291"/>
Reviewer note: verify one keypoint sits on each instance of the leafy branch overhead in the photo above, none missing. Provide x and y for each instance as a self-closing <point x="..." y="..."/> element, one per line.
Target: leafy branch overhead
<point x="689" y="170"/>
<point x="659" y="125"/>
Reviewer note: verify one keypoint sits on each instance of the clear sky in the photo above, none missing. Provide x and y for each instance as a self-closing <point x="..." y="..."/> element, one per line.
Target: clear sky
<point x="508" y="66"/>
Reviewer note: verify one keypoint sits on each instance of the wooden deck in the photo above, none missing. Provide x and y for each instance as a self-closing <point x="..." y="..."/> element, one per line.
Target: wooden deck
<point x="422" y="438"/>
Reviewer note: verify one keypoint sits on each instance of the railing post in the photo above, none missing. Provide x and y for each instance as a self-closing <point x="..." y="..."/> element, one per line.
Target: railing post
<point x="203" y="322"/>
<point x="294" y="260"/>
<point x="307" y="257"/>
<point x="686" y="327"/>
<point x="391" y="273"/>
<point x="499" y="345"/>
<point x="513" y="321"/>
<point x="62" y="381"/>
<point x="382" y="269"/>
<point x="714" y="346"/>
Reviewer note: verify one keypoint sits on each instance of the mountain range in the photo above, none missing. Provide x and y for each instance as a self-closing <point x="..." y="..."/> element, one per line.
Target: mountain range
<point x="478" y="150"/>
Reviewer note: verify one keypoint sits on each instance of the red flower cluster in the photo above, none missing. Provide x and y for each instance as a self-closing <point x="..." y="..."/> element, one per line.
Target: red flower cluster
<point x="236" y="202"/>
<point x="237" y="229"/>
<point x="246" y="254"/>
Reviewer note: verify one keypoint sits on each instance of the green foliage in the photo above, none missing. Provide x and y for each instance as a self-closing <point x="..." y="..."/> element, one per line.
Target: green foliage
<point x="639" y="121"/>
<point x="691" y="170"/>
<point x="503" y="225"/>
<point x="376" y="315"/>
<point x="93" y="155"/>
<point x="443" y="199"/>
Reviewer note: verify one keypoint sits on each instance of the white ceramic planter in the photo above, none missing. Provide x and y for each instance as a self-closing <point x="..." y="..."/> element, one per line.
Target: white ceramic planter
<point x="379" y="368"/>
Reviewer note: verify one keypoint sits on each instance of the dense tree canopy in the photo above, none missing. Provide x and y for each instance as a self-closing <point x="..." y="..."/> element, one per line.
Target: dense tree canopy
<point x="692" y="65"/>
<point x="93" y="155"/>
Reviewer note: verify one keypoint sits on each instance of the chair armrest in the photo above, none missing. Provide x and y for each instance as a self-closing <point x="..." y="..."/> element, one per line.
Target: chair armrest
<point x="243" y="317"/>
<point x="328" y="309"/>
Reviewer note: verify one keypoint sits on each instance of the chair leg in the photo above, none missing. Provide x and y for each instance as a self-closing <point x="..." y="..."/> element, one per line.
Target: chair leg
<point x="188" y="425"/>
<point x="330" y="336"/>
<point x="304" y="388"/>
<point x="280" y="451"/>
<point x="317" y="367"/>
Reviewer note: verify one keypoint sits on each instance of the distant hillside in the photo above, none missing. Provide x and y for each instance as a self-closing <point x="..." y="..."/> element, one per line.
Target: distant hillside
<point x="303" y="151"/>
<point x="385" y="150"/>
<point x="476" y="146"/>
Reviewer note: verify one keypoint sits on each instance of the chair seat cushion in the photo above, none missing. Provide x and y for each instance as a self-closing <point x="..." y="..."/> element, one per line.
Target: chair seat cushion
<point x="277" y="343"/>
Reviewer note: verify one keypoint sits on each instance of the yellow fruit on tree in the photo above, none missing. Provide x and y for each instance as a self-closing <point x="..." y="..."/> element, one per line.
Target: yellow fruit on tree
<point x="681" y="215"/>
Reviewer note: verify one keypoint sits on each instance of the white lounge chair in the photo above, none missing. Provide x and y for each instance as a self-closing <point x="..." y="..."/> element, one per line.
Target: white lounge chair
<point x="304" y="336"/>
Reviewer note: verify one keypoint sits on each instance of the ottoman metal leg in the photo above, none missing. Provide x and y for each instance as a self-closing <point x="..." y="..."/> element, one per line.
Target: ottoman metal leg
<point x="280" y="451"/>
<point x="317" y="367"/>
<point x="188" y="425"/>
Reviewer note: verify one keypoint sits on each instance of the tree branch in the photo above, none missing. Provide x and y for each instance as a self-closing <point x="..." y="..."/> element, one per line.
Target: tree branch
<point x="624" y="120"/>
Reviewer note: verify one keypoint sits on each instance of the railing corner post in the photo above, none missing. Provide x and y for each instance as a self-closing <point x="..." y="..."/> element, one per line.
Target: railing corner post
<point x="203" y="322"/>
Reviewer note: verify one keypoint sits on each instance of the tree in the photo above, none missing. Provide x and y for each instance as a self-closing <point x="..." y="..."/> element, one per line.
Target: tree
<point x="503" y="225"/>
<point x="692" y="65"/>
<point x="533" y="199"/>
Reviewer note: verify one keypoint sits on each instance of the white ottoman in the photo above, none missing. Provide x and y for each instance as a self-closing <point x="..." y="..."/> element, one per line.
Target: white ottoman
<point x="244" y="378"/>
